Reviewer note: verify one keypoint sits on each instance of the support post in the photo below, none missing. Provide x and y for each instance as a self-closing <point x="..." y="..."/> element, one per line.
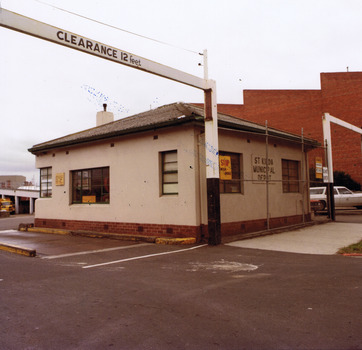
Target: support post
<point x="31" y="205"/>
<point x="212" y="165"/>
<point x="16" y="198"/>
<point x="267" y="175"/>
<point x="330" y="186"/>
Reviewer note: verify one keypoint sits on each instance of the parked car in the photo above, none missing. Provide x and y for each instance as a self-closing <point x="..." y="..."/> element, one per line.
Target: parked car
<point x="343" y="197"/>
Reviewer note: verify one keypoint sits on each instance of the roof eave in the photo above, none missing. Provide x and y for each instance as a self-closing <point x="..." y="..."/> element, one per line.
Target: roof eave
<point x="44" y="148"/>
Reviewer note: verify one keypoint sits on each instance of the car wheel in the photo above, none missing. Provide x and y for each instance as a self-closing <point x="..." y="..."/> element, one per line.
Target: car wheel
<point x="323" y="205"/>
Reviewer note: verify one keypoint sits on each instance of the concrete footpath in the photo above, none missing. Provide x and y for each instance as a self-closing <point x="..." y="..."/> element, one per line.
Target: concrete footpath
<point x="32" y="241"/>
<point x="325" y="239"/>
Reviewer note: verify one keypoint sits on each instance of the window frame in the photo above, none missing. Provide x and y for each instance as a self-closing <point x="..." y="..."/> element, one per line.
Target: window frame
<point x="48" y="191"/>
<point x="171" y="173"/>
<point x="237" y="172"/>
<point x="90" y="185"/>
<point x="290" y="181"/>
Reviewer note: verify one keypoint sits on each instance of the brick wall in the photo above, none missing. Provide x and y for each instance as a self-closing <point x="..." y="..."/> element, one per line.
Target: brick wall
<point x="199" y="232"/>
<point x="291" y="110"/>
<point x="121" y="227"/>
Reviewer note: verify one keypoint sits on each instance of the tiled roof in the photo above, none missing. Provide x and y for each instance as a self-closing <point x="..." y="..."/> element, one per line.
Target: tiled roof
<point x="168" y="115"/>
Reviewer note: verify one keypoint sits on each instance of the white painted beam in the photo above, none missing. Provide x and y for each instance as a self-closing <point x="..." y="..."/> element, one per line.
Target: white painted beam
<point x="26" y="25"/>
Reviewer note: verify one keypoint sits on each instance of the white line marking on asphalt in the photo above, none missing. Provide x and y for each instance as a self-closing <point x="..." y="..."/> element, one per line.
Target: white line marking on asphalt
<point x="143" y="257"/>
<point x="93" y="251"/>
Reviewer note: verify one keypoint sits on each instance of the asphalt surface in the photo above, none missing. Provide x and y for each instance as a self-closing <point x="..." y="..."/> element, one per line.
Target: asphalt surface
<point x="86" y="293"/>
<point x="169" y="297"/>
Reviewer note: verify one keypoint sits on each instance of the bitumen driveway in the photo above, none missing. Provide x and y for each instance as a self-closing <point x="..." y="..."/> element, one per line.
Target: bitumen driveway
<point x="286" y="291"/>
<point x="86" y="293"/>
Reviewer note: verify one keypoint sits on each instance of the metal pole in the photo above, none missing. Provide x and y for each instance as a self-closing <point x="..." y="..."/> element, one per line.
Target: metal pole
<point x="267" y="175"/>
<point x="328" y="144"/>
<point x="212" y="159"/>
<point x="303" y="170"/>
<point x="212" y="167"/>
<point x="206" y="65"/>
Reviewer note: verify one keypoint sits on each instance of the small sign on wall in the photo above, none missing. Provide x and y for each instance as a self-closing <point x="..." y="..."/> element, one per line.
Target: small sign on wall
<point x="262" y="168"/>
<point x="318" y="168"/>
<point x="59" y="179"/>
<point x="88" y="199"/>
<point x="225" y="168"/>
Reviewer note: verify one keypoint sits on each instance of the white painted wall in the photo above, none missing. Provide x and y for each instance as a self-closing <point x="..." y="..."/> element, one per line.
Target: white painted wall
<point x="135" y="175"/>
<point x="252" y="204"/>
<point x="135" y="195"/>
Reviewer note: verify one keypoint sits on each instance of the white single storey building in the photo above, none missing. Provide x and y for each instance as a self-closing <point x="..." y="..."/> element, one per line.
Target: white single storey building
<point x="146" y="175"/>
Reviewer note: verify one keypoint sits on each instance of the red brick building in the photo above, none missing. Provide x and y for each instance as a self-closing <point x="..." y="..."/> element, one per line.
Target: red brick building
<point x="291" y="110"/>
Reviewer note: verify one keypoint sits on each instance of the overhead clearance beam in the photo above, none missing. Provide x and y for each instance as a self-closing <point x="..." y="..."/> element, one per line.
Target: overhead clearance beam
<point x="63" y="37"/>
<point x="327" y="119"/>
<point x="50" y="33"/>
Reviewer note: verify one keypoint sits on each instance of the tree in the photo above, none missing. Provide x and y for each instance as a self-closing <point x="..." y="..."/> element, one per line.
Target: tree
<point x="340" y="179"/>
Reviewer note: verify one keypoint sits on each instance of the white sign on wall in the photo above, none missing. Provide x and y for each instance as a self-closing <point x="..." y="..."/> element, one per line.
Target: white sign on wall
<point x="262" y="168"/>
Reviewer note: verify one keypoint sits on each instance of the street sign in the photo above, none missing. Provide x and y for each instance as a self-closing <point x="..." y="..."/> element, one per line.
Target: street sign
<point x="325" y="175"/>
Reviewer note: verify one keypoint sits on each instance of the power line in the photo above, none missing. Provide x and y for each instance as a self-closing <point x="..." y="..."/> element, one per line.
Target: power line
<point x="114" y="27"/>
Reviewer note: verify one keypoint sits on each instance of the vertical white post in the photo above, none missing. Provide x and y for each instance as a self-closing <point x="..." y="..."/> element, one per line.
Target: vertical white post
<point x="16" y="204"/>
<point x="328" y="144"/>
<point x="31" y="205"/>
<point x="206" y="67"/>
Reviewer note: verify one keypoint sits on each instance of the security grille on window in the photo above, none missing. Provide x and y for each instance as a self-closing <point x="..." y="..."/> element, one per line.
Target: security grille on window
<point x="169" y="172"/>
<point x="230" y="172"/>
<point x="46" y="182"/>
<point x="290" y="172"/>
<point x="90" y="185"/>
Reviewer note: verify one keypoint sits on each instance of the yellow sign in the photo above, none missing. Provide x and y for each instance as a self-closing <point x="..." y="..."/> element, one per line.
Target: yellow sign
<point x="59" y="179"/>
<point x="318" y="168"/>
<point x="88" y="199"/>
<point x="225" y="168"/>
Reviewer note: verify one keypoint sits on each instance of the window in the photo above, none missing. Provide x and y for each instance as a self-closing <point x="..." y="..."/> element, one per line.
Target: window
<point x="169" y="172"/>
<point x="90" y="185"/>
<point x="317" y="190"/>
<point x="290" y="173"/>
<point x="45" y="182"/>
<point x="343" y="190"/>
<point x="230" y="179"/>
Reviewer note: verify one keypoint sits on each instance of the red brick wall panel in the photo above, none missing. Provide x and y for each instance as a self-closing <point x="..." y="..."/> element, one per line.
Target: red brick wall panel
<point x="291" y="110"/>
<point x="179" y="231"/>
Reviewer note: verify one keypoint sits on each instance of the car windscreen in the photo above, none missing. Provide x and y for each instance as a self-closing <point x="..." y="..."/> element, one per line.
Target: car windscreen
<point x="316" y="190"/>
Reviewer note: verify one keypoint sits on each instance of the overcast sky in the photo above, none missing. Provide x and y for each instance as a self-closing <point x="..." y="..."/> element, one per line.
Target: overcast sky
<point x="48" y="91"/>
